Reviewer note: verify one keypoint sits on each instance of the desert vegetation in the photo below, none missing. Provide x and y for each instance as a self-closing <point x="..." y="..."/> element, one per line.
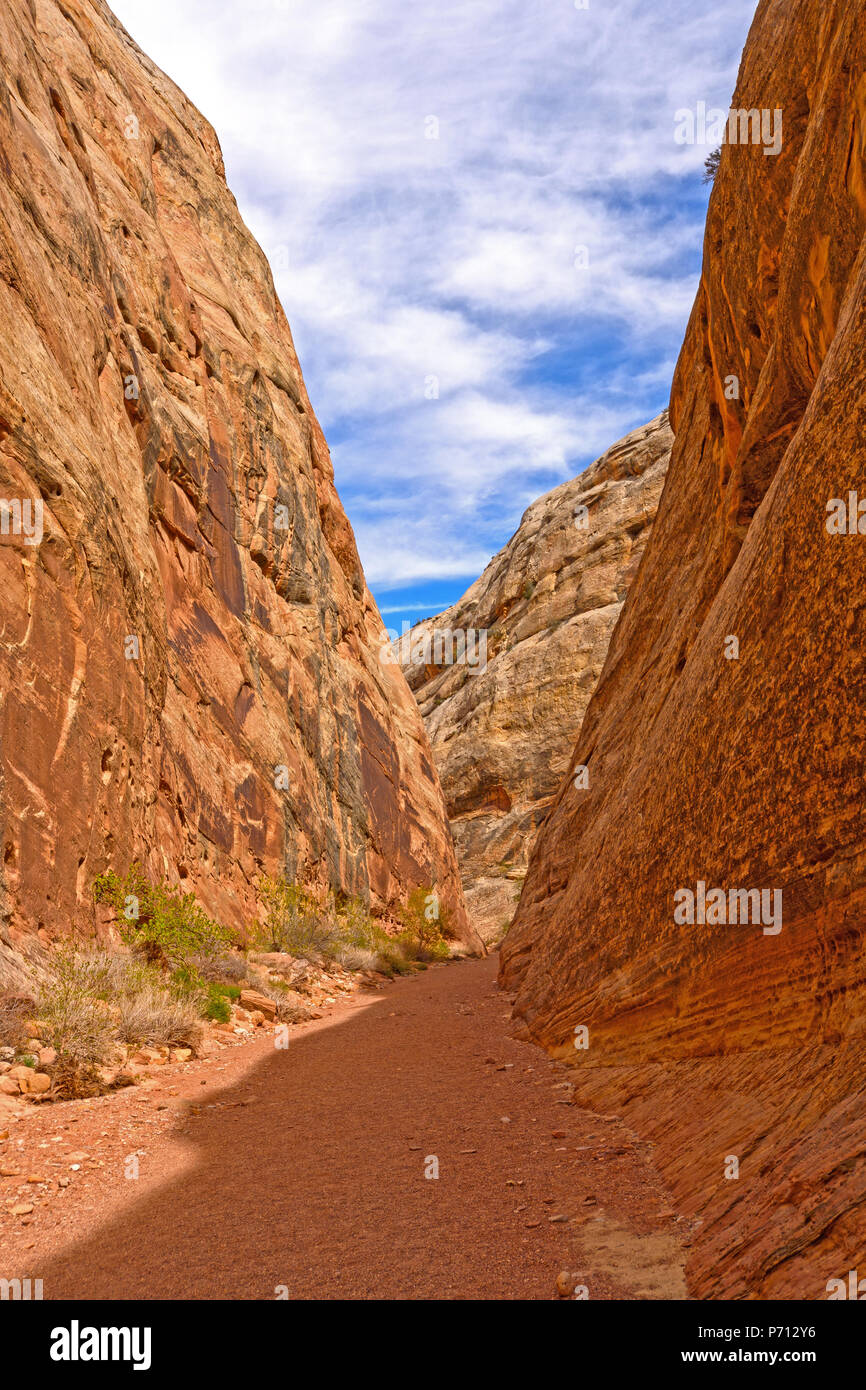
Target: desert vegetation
<point x="93" y="1016"/>
<point x="303" y="924"/>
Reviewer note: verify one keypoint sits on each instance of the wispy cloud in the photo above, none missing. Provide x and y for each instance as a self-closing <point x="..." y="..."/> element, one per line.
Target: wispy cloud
<point x="482" y="230"/>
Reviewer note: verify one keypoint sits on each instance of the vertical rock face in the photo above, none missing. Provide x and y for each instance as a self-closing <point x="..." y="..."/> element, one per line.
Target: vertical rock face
<point x="739" y="771"/>
<point x="503" y="732"/>
<point x="189" y="654"/>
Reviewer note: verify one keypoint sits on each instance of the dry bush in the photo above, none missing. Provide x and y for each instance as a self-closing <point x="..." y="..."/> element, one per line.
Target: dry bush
<point x="75" y="1020"/>
<point x="227" y="968"/>
<point x="394" y="958"/>
<point x="15" y="1009"/>
<point x="90" y="999"/>
<point x="152" y="1014"/>
<point x="295" y="921"/>
<point x="71" y="1004"/>
<point x="357" y="958"/>
<point x="289" y="1011"/>
<point x="74" y="1080"/>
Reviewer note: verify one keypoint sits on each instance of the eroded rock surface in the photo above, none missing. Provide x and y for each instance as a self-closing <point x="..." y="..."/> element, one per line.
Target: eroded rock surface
<point x="502" y="736"/>
<point x="740" y="771"/>
<point x="189" y="654"/>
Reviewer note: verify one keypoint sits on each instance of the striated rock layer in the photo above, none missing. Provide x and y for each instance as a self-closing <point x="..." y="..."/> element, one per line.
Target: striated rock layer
<point x="502" y="735"/>
<point x="741" y="772"/>
<point x="189" y="652"/>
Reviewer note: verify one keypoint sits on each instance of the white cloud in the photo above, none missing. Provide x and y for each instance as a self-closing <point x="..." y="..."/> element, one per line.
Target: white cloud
<point x="399" y="257"/>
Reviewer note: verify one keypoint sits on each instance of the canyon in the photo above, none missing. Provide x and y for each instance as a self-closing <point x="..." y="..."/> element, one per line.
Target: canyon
<point x="193" y="676"/>
<point x="502" y="734"/>
<point x="190" y="657"/>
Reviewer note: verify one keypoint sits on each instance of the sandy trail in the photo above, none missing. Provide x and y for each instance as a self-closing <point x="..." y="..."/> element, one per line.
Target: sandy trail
<point x="304" y="1169"/>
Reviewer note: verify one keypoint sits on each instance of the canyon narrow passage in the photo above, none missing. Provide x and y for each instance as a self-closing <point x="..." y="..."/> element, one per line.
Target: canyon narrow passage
<point x="303" y="1170"/>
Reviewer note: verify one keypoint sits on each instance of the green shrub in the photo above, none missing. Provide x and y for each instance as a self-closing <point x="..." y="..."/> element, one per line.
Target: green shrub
<point x="359" y="934"/>
<point x="166" y="924"/>
<point x="216" y="1006"/>
<point x="392" y="960"/>
<point x="426" y="925"/>
<point x="301" y="925"/>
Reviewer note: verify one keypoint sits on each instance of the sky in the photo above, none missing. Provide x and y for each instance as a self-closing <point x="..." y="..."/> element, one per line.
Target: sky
<point x="483" y="232"/>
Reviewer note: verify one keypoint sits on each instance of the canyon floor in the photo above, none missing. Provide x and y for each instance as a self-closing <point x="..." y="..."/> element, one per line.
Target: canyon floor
<point x="301" y="1172"/>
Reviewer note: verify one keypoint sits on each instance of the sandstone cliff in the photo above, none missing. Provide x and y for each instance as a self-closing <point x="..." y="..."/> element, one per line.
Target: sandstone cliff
<point x="189" y="655"/>
<point x="739" y="771"/>
<point x="502" y="736"/>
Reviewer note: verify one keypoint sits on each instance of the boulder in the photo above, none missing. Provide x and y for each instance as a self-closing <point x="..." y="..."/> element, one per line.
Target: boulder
<point x="251" y="999"/>
<point x="36" y="1083"/>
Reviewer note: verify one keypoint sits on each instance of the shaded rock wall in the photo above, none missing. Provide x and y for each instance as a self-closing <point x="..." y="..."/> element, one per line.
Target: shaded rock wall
<point x="189" y="656"/>
<point x="502" y="736"/>
<point x="748" y="771"/>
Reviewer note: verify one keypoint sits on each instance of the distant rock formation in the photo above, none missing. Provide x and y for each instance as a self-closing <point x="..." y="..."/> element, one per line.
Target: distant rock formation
<point x="725" y="741"/>
<point x="502" y="736"/>
<point x="190" y="657"/>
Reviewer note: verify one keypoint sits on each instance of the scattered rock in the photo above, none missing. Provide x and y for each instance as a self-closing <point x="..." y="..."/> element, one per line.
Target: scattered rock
<point x="251" y="999"/>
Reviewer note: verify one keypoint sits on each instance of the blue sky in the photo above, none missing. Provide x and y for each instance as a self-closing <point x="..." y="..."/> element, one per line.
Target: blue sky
<point x="422" y="177"/>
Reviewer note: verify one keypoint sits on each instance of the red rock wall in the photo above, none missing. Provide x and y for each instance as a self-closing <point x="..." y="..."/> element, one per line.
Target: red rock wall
<point x="747" y="772"/>
<point x="151" y="398"/>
